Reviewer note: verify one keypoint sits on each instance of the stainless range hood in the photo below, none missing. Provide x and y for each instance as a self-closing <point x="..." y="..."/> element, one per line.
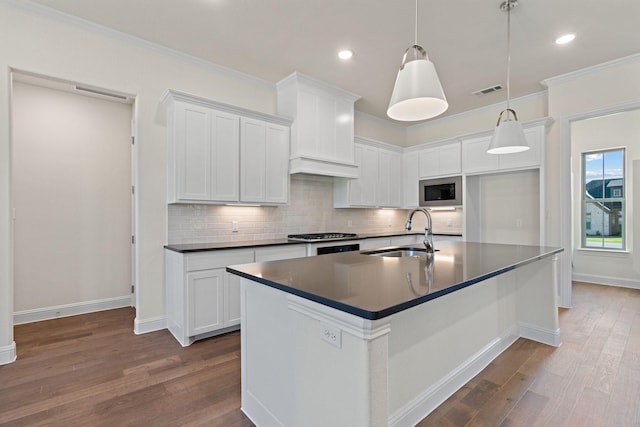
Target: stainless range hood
<point x="322" y="130"/>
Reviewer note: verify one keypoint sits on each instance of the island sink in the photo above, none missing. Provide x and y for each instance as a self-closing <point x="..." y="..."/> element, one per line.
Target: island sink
<point x="398" y="252"/>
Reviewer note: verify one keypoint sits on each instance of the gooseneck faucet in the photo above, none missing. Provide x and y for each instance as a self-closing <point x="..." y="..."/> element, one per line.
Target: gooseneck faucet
<point x="428" y="232"/>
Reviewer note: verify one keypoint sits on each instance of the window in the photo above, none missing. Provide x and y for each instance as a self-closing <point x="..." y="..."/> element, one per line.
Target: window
<point x="603" y="202"/>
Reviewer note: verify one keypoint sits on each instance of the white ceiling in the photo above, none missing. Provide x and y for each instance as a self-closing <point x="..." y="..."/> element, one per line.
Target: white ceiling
<point x="466" y="39"/>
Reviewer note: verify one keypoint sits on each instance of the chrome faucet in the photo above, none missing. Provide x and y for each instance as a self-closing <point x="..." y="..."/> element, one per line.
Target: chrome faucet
<point x="428" y="232"/>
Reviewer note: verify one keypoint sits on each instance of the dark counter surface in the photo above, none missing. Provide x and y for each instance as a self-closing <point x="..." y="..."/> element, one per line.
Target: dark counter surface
<point x="374" y="287"/>
<point x="198" y="247"/>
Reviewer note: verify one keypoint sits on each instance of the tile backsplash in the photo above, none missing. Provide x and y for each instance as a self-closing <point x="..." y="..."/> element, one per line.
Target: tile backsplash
<point x="310" y="209"/>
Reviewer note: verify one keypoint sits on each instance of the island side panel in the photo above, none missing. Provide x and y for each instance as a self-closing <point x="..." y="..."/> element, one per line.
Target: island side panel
<point x="538" y="300"/>
<point x="292" y="377"/>
<point x="437" y="347"/>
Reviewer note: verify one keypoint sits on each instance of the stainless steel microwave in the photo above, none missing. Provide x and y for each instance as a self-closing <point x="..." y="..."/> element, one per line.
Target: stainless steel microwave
<point x="440" y="191"/>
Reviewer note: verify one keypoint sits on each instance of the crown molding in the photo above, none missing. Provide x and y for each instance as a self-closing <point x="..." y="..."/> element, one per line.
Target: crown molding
<point x="562" y="78"/>
<point x="56" y="15"/>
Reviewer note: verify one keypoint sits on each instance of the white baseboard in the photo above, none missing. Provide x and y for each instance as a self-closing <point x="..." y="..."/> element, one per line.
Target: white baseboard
<point x="544" y="336"/>
<point x="431" y="398"/>
<point x="8" y="354"/>
<point x="604" y="280"/>
<point x="48" y="313"/>
<point x="143" y="326"/>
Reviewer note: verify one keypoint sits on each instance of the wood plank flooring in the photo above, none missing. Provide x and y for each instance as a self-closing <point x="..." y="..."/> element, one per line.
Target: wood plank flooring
<point x="91" y="370"/>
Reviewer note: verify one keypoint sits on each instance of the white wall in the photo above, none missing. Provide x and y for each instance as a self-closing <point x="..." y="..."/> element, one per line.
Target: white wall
<point x="575" y="96"/>
<point x="610" y="131"/>
<point x="71" y="197"/>
<point x="45" y="43"/>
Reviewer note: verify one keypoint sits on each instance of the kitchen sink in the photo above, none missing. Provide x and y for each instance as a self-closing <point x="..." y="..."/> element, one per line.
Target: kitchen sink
<point x="397" y="252"/>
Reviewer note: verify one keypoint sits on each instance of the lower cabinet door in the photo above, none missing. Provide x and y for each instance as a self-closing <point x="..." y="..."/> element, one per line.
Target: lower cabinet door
<point x="205" y="296"/>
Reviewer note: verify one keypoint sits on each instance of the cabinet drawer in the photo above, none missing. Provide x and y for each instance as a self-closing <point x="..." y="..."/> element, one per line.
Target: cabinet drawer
<point x="217" y="259"/>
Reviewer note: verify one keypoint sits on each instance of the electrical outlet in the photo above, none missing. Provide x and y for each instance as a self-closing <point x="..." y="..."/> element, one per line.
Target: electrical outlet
<point x="332" y="335"/>
<point x="234" y="226"/>
<point x="349" y="223"/>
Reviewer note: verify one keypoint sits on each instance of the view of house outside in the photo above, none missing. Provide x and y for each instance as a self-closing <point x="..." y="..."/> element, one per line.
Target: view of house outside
<point x="603" y="203"/>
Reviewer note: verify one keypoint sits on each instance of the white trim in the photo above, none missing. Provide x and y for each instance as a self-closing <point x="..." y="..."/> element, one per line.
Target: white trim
<point x="606" y="280"/>
<point x="566" y="208"/>
<point x="8" y="354"/>
<point x="77" y="22"/>
<point x="562" y="78"/>
<point x="541" y="335"/>
<point x="378" y="144"/>
<point x="431" y="398"/>
<point x="144" y="326"/>
<point x="66" y="310"/>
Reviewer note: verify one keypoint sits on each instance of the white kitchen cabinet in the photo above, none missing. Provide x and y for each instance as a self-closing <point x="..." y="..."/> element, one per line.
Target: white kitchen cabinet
<point x="202" y="299"/>
<point x="410" y="178"/>
<point x="380" y="181"/>
<point x="475" y="158"/>
<point x="409" y="239"/>
<point x="440" y="160"/>
<point x="389" y="192"/>
<point x="361" y="191"/>
<point x="274" y="253"/>
<point x="264" y="155"/>
<point x="322" y="130"/>
<point x="218" y="153"/>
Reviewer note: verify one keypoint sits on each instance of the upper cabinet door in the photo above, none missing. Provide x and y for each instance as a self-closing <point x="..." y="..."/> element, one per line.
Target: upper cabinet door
<point x="192" y="134"/>
<point x="225" y="151"/>
<point x="441" y="160"/>
<point x="253" y="152"/>
<point x="475" y="157"/>
<point x="277" y="166"/>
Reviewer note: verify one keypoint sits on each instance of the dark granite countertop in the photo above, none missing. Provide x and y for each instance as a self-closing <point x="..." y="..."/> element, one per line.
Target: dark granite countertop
<point x="198" y="247"/>
<point x="374" y="287"/>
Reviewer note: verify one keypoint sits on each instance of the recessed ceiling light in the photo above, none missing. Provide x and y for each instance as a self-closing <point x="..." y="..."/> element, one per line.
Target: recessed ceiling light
<point x="345" y="54"/>
<point x="566" y="38"/>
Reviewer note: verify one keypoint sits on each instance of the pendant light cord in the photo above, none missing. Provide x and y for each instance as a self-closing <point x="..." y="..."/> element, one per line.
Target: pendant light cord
<point x="415" y="38"/>
<point x="509" y="6"/>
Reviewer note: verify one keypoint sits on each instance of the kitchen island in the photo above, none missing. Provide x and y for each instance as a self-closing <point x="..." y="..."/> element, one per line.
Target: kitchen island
<point x="359" y="339"/>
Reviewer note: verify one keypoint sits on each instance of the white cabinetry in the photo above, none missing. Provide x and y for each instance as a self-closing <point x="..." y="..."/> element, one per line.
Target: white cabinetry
<point x="475" y="158"/>
<point x="322" y="129"/>
<point x="380" y="180"/>
<point x="202" y="298"/>
<point x="440" y="160"/>
<point x="410" y="179"/>
<point x="217" y="153"/>
<point x="264" y="151"/>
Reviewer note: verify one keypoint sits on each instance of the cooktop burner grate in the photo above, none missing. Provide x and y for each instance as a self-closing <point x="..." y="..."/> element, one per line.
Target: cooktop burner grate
<point x="320" y="236"/>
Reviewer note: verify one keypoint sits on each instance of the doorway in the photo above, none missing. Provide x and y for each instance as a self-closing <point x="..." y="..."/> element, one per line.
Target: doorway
<point x="72" y="168"/>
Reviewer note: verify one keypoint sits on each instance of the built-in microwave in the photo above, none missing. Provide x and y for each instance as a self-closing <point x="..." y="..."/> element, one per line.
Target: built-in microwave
<point x="440" y="191"/>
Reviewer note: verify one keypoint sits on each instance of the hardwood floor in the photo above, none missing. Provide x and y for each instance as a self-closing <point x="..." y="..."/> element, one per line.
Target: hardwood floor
<point x="91" y="370"/>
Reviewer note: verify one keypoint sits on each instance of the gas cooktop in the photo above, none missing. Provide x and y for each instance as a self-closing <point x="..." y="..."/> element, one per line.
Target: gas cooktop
<point x="314" y="237"/>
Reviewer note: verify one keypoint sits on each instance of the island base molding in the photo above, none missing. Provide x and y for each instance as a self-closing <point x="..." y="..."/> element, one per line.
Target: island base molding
<point x="305" y="363"/>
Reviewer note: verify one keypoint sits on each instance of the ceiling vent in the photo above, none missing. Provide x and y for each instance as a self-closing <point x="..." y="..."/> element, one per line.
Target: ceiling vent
<point x="488" y="90"/>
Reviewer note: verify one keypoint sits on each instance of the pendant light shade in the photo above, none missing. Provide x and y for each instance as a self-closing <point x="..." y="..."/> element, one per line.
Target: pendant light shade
<point x="417" y="93"/>
<point x="508" y="136"/>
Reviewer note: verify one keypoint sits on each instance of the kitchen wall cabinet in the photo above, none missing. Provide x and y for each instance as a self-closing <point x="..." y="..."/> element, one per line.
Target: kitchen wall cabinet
<point x="380" y="180"/>
<point x="322" y="130"/>
<point x="410" y="178"/>
<point x="475" y="158"/>
<point x="217" y="153"/>
<point x="441" y="160"/>
<point x="264" y="162"/>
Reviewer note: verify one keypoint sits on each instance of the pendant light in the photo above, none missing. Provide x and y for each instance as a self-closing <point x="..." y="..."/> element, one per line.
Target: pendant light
<point x="508" y="136"/>
<point x="417" y="93"/>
